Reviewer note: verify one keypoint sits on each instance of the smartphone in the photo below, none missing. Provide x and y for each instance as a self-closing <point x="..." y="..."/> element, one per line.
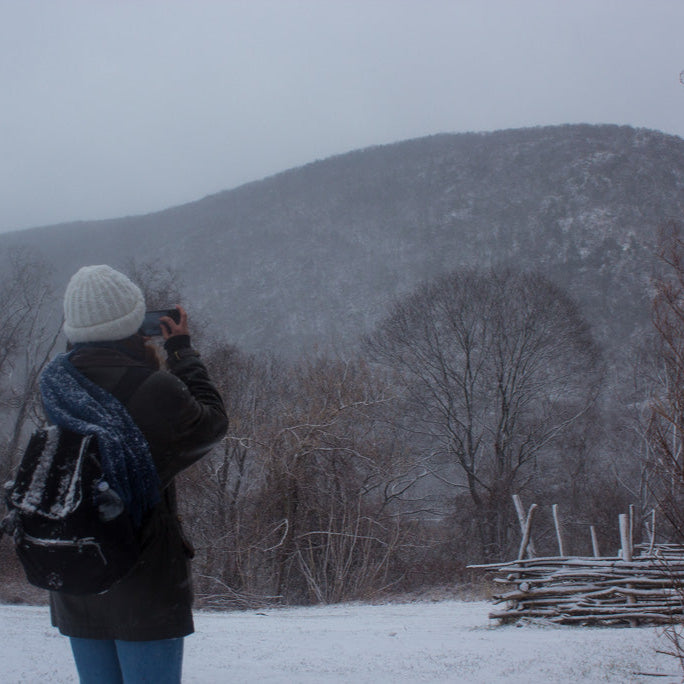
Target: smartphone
<point x="151" y="327"/>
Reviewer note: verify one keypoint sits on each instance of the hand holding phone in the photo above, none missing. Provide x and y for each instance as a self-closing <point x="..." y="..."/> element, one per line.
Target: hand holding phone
<point x="176" y="324"/>
<point x="157" y="323"/>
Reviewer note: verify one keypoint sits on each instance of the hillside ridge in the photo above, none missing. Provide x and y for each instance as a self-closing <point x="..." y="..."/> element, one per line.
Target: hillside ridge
<point x="313" y="256"/>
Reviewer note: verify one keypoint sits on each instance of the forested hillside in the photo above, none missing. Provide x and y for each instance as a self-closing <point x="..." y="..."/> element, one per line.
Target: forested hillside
<point x="315" y="254"/>
<point x="406" y="336"/>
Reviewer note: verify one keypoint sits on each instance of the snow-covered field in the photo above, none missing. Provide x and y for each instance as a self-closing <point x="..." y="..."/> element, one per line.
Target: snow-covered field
<point x="446" y="641"/>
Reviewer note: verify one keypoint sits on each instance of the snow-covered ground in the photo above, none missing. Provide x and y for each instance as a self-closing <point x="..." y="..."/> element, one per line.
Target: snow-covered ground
<point x="446" y="641"/>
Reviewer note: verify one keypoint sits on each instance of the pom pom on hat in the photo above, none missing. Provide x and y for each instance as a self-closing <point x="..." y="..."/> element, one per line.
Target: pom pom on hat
<point x="101" y="304"/>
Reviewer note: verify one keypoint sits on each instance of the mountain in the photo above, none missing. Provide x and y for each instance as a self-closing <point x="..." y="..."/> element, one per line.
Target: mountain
<point x="314" y="256"/>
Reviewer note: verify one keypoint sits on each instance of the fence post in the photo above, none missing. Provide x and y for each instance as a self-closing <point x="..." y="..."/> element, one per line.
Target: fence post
<point x="559" y="536"/>
<point x="525" y="527"/>
<point x="594" y="542"/>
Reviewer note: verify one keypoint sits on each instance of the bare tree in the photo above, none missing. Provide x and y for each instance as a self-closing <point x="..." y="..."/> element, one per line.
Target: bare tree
<point x="666" y="427"/>
<point x="221" y="491"/>
<point x="305" y="502"/>
<point x="161" y="285"/>
<point x="29" y="330"/>
<point x="323" y="461"/>
<point x="495" y="368"/>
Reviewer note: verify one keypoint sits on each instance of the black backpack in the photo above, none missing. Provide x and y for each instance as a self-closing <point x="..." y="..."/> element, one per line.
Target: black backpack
<point x="71" y="531"/>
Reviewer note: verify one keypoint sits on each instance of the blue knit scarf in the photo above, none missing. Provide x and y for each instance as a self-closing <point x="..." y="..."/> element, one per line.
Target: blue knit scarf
<point x="73" y="402"/>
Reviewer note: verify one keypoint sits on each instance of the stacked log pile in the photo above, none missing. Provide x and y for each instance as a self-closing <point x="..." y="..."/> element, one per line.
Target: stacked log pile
<point x="574" y="590"/>
<point x="644" y="589"/>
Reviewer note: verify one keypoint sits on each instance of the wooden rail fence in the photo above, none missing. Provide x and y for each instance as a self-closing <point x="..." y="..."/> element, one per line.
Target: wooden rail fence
<point x="646" y="588"/>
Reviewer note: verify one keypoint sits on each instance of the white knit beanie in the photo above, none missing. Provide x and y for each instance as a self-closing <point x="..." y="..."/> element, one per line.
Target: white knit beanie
<point x="101" y="304"/>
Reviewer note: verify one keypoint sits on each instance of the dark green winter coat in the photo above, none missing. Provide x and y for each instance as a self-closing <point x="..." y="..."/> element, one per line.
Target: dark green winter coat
<point x="182" y="416"/>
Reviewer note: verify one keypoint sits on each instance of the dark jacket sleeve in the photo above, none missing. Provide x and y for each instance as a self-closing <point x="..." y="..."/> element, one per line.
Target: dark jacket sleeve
<point x="181" y="413"/>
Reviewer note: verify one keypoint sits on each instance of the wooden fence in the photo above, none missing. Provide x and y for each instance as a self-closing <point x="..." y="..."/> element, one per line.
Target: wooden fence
<point x="631" y="589"/>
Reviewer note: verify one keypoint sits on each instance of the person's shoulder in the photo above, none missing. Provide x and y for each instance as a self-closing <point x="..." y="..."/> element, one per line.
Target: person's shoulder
<point x="159" y="404"/>
<point x="164" y="389"/>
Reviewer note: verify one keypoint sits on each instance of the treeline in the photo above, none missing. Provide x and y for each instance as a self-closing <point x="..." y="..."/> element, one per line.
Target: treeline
<point x="392" y="468"/>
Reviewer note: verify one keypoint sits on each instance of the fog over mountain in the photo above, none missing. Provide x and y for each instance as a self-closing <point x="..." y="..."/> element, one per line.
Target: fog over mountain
<point x="314" y="256"/>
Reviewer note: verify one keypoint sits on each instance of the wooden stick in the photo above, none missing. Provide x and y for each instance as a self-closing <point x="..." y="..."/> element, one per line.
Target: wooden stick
<point x="554" y="509"/>
<point x="626" y="551"/>
<point x="526" y="543"/>
<point x="525" y="527"/>
<point x="652" y="540"/>
<point x="520" y="511"/>
<point x="594" y="542"/>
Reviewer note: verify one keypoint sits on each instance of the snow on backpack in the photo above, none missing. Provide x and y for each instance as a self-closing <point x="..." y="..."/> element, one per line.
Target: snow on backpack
<point x="71" y="531"/>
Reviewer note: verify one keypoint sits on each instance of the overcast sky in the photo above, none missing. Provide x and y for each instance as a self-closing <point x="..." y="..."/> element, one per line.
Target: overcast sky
<point x="118" y="107"/>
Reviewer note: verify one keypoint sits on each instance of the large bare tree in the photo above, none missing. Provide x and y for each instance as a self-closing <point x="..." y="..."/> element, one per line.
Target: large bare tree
<point x="495" y="367"/>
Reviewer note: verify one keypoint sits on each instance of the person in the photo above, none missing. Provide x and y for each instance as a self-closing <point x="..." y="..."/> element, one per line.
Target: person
<point x="134" y="631"/>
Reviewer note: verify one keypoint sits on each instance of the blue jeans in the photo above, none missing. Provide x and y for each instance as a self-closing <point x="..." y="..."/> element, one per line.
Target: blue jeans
<point x="100" y="661"/>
